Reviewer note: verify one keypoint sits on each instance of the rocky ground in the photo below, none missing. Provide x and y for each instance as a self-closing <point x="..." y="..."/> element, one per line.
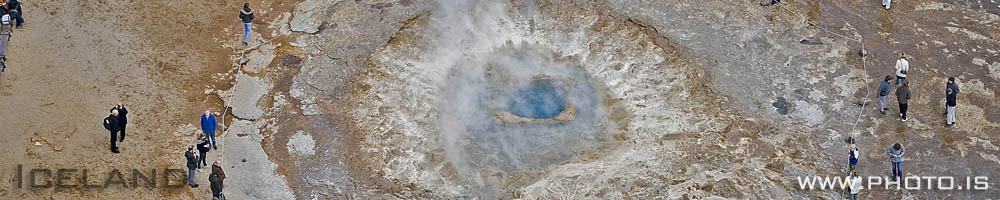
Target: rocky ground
<point x="380" y="99"/>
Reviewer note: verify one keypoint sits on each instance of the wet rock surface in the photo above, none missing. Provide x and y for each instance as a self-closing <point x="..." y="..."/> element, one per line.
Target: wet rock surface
<point x="243" y="98"/>
<point x="250" y="174"/>
<point x="306" y="17"/>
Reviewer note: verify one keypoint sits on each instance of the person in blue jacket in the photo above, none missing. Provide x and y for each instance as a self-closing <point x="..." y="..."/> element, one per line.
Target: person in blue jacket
<point x="854" y="154"/>
<point x="896" y="157"/>
<point x="13" y="8"/>
<point x="208" y="126"/>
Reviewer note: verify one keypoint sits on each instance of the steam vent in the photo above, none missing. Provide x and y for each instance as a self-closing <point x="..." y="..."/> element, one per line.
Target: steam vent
<point x="501" y="99"/>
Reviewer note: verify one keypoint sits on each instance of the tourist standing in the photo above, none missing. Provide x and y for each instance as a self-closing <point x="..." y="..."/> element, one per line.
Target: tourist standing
<point x="903" y="95"/>
<point x="954" y="87"/>
<point x="854" y="184"/>
<point x="854" y="153"/>
<point x="208" y="126"/>
<point x="217" y="178"/>
<point x="192" y="164"/>
<point x="883" y="93"/>
<point x="122" y="120"/>
<point x="111" y="123"/>
<point x="203" y="149"/>
<point x="902" y="67"/>
<point x="896" y="157"/>
<point x="951" y="101"/>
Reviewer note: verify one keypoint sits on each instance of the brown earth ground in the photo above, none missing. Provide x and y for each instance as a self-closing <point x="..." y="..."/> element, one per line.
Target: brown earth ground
<point x="75" y="59"/>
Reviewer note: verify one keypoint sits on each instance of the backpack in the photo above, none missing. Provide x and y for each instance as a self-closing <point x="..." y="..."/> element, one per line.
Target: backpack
<point x="107" y="123"/>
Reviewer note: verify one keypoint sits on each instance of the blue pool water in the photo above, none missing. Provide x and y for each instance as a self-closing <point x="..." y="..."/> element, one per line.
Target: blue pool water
<point x="541" y="99"/>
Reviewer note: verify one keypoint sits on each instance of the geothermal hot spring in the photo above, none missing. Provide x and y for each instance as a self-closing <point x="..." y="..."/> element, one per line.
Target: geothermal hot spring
<point x="521" y="109"/>
<point x="481" y="100"/>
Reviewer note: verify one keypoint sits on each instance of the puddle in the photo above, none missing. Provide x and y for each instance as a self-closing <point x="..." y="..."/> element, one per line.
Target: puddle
<point x="781" y="106"/>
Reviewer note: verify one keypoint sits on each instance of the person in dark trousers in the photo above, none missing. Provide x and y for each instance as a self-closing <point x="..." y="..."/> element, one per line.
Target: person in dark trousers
<point x="208" y="126"/>
<point x="203" y="149"/>
<point x="111" y="123"/>
<point x="217" y="178"/>
<point x="903" y="95"/>
<point x="122" y="120"/>
<point x="883" y="93"/>
<point x="896" y="157"/>
<point x="192" y="164"/>
<point x="14" y="9"/>
<point x="246" y="15"/>
<point x="951" y="101"/>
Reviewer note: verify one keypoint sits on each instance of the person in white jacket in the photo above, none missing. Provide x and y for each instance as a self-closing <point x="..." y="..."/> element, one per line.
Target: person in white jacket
<point x="886" y="3"/>
<point x="902" y="67"/>
<point x="854" y="182"/>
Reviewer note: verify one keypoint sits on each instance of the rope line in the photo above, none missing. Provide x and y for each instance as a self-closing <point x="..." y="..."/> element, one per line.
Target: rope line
<point x="239" y="71"/>
<point x="864" y="65"/>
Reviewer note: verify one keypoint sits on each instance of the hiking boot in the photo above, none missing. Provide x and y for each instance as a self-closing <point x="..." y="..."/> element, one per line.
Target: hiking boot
<point x="882" y="111"/>
<point x="114" y="151"/>
<point x="194" y="186"/>
<point x="904" y="119"/>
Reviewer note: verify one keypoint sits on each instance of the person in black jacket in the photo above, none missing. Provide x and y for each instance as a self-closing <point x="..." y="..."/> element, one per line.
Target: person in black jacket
<point x="122" y="120"/>
<point x="951" y="100"/>
<point x="203" y="149"/>
<point x="111" y="123"/>
<point x="903" y="96"/>
<point x="14" y="9"/>
<point x="192" y="164"/>
<point x="246" y="15"/>
<point x="216" y="179"/>
<point x="954" y="88"/>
